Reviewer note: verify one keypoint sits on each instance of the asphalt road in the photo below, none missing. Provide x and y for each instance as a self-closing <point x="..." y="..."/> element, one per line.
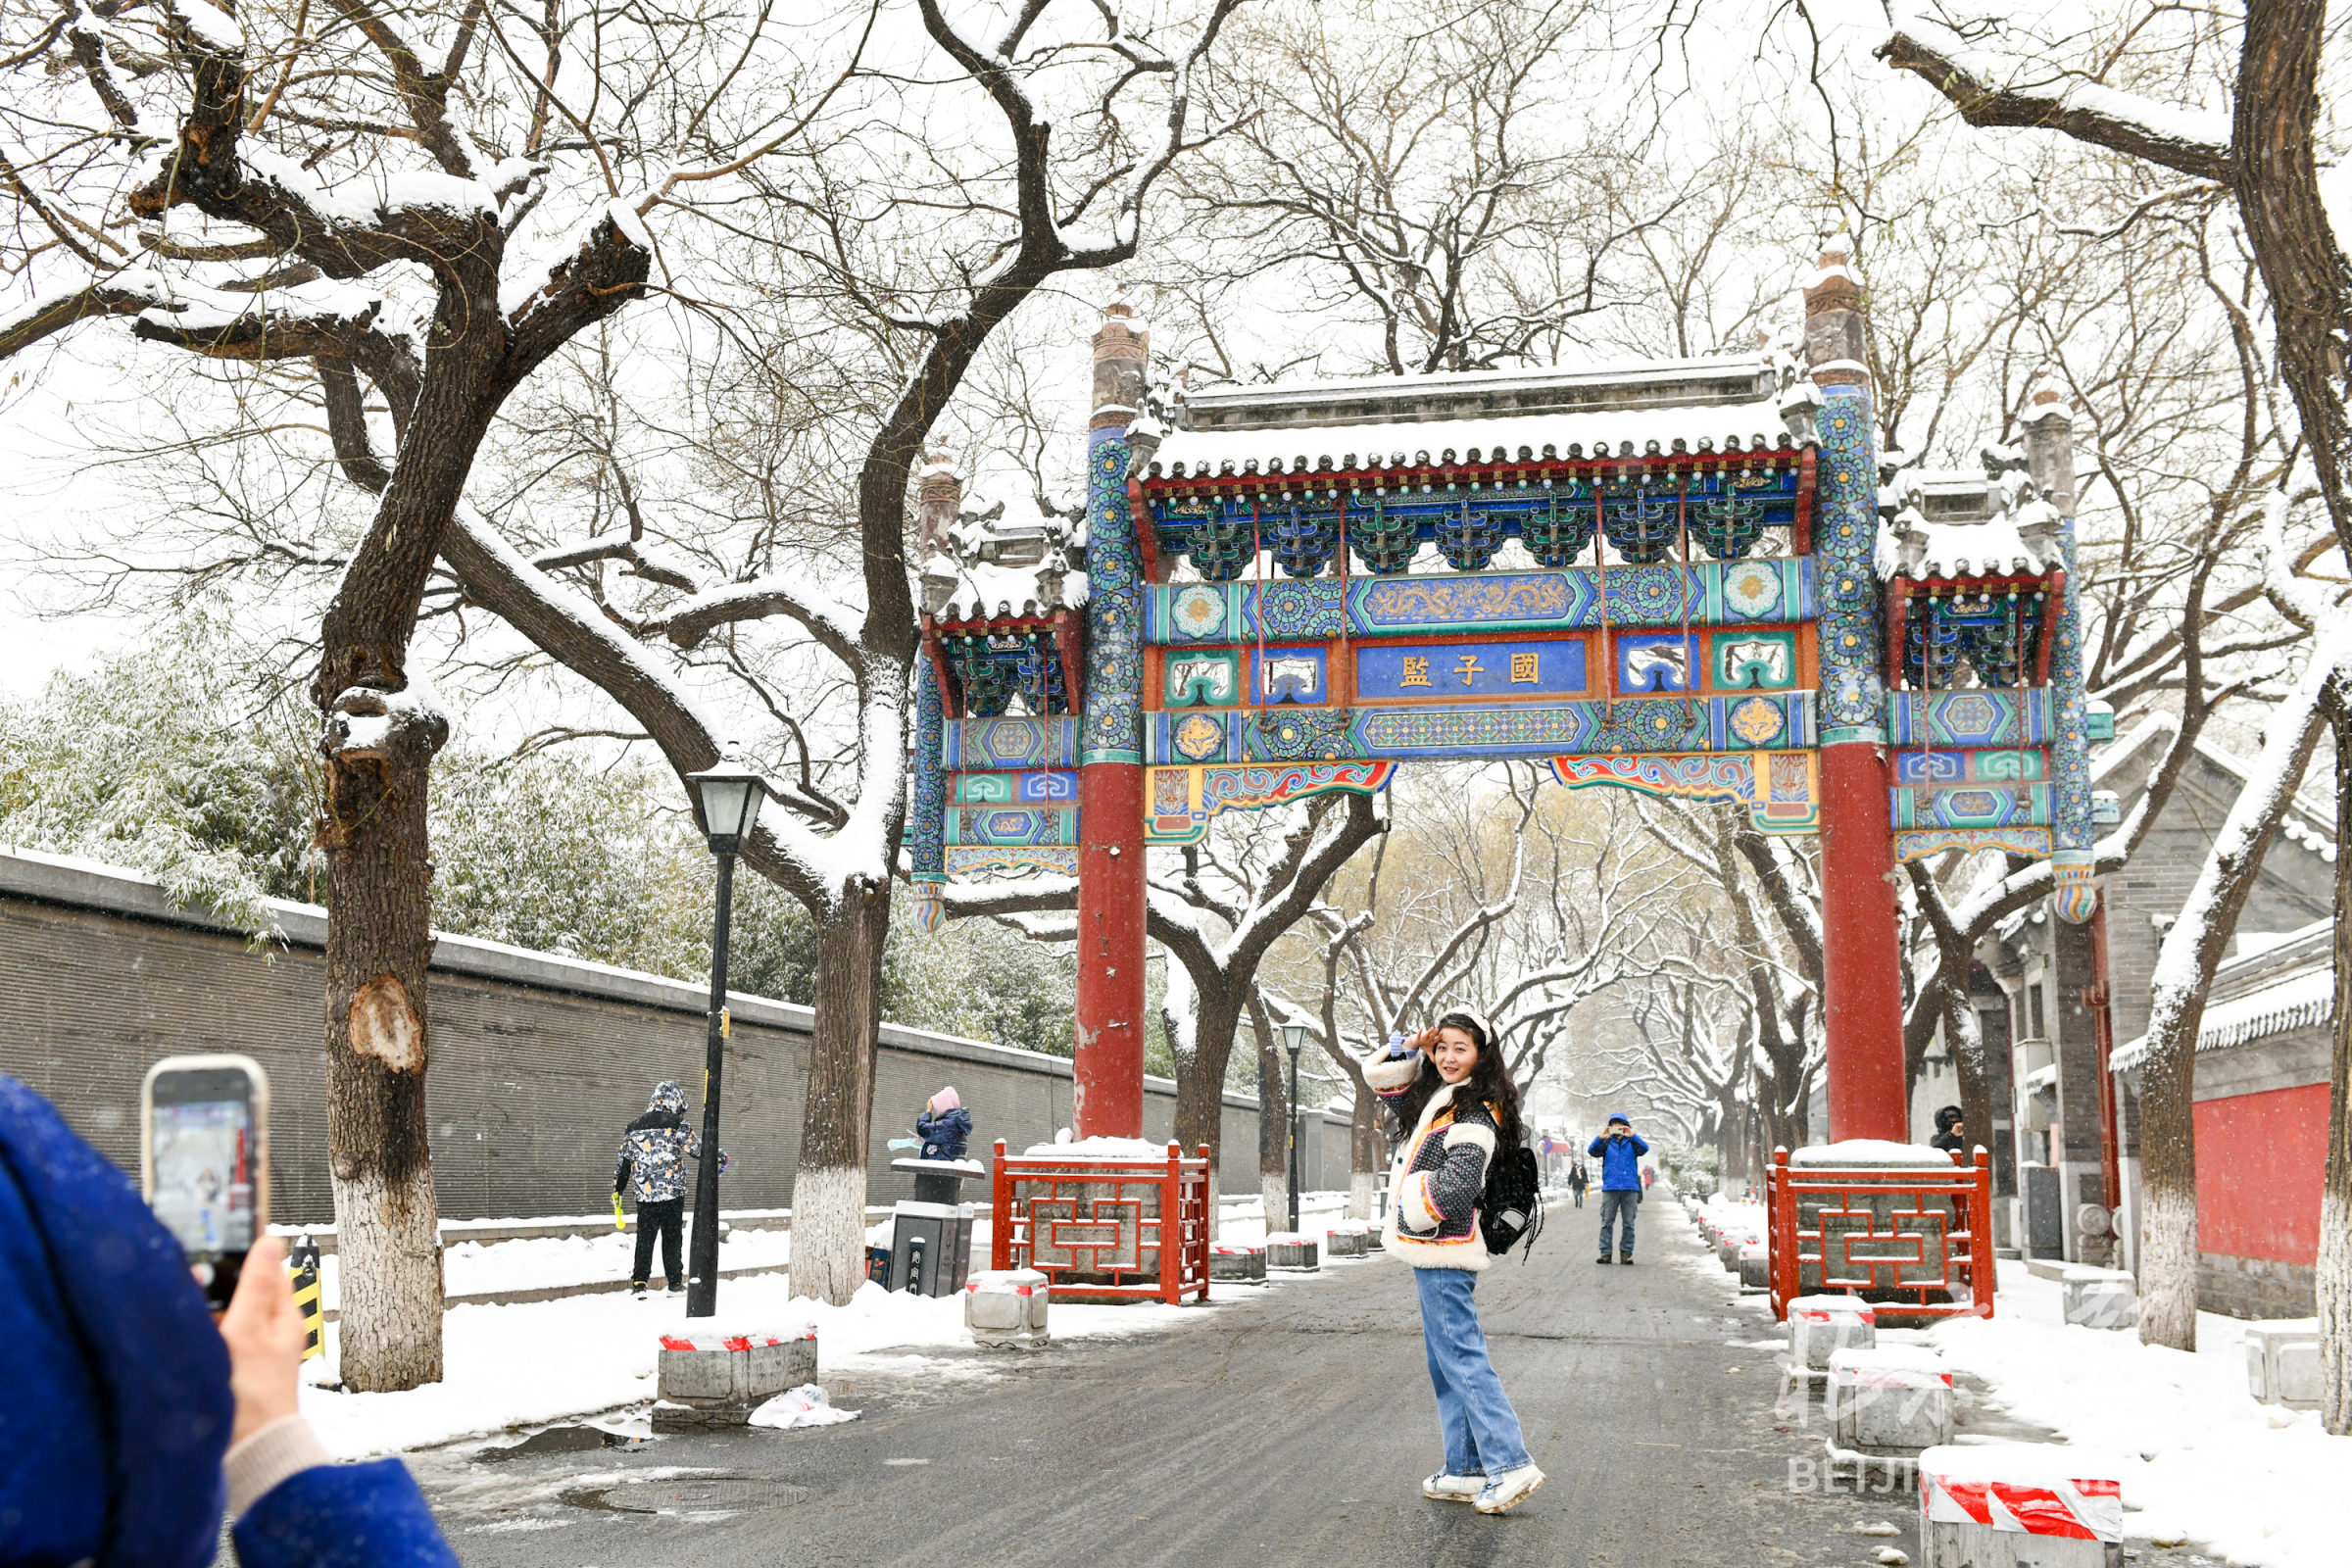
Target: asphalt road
<point x="1292" y="1425"/>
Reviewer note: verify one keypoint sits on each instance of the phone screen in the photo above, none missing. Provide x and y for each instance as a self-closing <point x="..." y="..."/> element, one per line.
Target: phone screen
<point x="204" y="1172"/>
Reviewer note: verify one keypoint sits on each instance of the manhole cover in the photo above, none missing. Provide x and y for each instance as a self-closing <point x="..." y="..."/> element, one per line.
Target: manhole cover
<point x="690" y="1495"/>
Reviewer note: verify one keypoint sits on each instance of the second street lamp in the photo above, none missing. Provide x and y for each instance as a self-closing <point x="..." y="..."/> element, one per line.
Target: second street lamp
<point x="1293" y="1036"/>
<point x="729" y="798"/>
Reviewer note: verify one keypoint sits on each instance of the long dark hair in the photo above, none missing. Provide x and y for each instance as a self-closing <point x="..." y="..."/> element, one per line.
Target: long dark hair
<point x="1489" y="1080"/>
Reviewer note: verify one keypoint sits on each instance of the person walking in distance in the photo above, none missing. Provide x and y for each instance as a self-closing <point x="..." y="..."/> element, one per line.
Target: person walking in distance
<point x="654" y="1152"/>
<point x="1578" y="1180"/>
<point x="1456" y="1105"/>
<point x="1619" y="1155"/>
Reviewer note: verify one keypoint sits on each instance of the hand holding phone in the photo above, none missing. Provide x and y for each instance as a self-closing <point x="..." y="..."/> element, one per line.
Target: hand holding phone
<point x="204" y="1162"/>
<point x="266" y="1335"/>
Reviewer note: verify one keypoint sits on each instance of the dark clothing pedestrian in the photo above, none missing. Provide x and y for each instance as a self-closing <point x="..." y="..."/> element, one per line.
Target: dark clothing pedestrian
<point x="1578" y="1180"/>
<point x="654" y="1152"/>
<point x="665" y="1217"/>
<point x="1948" y="1124"/>
<point x="655" y="1148"/>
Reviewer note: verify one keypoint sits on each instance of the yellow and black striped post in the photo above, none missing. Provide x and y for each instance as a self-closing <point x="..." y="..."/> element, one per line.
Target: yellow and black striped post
<point x="302" y="1264"/>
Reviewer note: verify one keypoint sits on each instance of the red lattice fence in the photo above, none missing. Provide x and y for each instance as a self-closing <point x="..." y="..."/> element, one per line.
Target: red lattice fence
<point x="1104" y="1230"/>
<point x="1915" y="1240"/>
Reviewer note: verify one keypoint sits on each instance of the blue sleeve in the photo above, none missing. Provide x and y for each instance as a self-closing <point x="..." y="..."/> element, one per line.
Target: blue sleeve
<point x="343" y="1516"/>
<point x="97" y="1307"/>
<point x="1600" y="1146"/>
<point x="1639" y="1147"/>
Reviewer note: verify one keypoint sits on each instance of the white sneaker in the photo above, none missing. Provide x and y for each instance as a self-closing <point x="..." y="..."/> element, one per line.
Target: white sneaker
<point x="1508" y="1489"/>
<point x="1448" y="1487"/>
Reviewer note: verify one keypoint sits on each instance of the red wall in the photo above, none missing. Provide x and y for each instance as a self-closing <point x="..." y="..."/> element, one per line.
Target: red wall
<point x="2262" y="1162"/>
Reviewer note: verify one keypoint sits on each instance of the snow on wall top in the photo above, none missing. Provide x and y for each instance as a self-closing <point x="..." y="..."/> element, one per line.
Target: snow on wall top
<point x="2301" y="996"/>
<point x="1624" y="408"/>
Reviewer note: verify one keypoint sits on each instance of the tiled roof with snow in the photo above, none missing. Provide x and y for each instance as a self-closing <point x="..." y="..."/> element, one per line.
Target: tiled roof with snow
<point x="1629" y="409"/>
<point x="1947" y="524"/>
<point x="2270" y="987"/>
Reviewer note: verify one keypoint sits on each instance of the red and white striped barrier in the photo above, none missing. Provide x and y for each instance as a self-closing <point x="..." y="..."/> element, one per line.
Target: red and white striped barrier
<point x="1969" y="1494"/>
<point x="723" y="1340"/>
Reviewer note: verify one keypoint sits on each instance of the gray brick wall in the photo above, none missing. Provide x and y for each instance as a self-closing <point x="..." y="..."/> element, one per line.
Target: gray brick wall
<point x="537" y="1062"/>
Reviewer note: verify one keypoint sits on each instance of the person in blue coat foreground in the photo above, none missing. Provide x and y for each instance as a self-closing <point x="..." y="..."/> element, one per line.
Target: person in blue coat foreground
<point x="127" y="1420"/>
<point x="1619" y="1155"/>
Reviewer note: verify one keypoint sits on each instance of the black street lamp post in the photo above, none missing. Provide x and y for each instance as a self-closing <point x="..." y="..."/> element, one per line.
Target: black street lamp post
<point x="1293" y="1036"/>
<point x="730" y="798"/>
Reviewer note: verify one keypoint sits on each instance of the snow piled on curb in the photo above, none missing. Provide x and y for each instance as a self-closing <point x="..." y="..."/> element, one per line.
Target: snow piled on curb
<point x="515" y="1366"/>
<point x="2260" y="1486"/>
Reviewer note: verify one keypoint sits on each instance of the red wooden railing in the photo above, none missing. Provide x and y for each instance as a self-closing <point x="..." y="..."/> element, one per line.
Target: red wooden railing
<point x="1915" y="1241"/>
<point x="1090" y="1225"/>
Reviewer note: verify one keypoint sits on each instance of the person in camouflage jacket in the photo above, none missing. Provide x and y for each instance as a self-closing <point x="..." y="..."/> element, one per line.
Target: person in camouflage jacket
<point x="654" y="1152"/>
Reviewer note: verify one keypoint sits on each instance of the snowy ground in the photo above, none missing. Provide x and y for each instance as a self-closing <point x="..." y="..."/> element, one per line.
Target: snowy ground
<point x="469" y="1268"/>
<point x="508" y="1367"/>
<point x="2200" y="1459"/>
<point x="2241" y="1484"/>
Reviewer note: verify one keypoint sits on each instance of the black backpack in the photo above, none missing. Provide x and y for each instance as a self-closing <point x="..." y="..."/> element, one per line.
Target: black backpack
<point x="1512" y="1204"/>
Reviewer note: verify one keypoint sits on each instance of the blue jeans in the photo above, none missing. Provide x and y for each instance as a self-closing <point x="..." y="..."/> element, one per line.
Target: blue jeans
<point x="1479" y="1428"/>
<point x="1613" y="1203"/>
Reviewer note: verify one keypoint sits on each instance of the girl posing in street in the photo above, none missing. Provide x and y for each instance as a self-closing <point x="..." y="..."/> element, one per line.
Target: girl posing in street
<point x="1457" y="1106"/>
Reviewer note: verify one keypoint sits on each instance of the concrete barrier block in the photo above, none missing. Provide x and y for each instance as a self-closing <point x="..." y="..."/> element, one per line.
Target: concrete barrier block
<point x="1819" y="1326"/>
<point x="1889" y="1402"/>
<point x="1007" y="1307"/>
<point x="716" y="1377"/>
<point x="1347" y="1239"/>
<point x="1755" y="1266"/>
<point x="2100" y="1298"/>
<point x="2019" y="1505"/>
<point x="2282" y="1362"/>
<point x="1288" y="1253"/>
<point x="1237" y="1264"/>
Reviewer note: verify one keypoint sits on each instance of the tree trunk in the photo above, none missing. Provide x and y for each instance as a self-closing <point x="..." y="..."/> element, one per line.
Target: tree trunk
<point x="828" y="1191"/>
<point x="1273" y="1127"/>
<point x="376" y="749"/>
<point x="2335" y="1272"/>
<point x="2192" y="950"/>
<point x="1368" y="1153"/>
<point x="1201" y="1083"/>
<point x="379" y="945"/>
<point x="1966" y="1036"/>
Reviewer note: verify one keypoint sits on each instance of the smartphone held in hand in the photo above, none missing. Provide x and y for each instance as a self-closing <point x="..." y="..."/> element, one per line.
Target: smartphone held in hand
<point x="204" y="1162"/>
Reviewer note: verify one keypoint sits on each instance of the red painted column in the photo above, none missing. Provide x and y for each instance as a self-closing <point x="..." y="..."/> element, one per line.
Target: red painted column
<point x="1862" y="1012"/>
<point x="1109" y="1101"/>
<point x="1108" y="1067"/>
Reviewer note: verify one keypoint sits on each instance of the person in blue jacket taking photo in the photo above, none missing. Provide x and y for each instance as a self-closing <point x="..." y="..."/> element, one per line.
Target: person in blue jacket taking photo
<point x="127" y="1421"/>
<point x="1619" y="1155"/>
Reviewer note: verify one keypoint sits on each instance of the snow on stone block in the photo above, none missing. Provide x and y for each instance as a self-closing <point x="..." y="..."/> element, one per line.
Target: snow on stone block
<point x="2282" y="1362"/>
<point x="1292" y="1251"/>
<point x="1350" y="1238"/>
<point x="1978" y="1504"/>
<point x="1237" y="1264"/>
<point x="2100" y="1298"/>
<point x="1819" y="1326"/>
<point x="1755" y="1266"/>
<point x="1889" y="1402"/>
<point x="712" y="1376"/>
<point x="1008" y="1307"/>
<point x="1870" y="1154"/>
